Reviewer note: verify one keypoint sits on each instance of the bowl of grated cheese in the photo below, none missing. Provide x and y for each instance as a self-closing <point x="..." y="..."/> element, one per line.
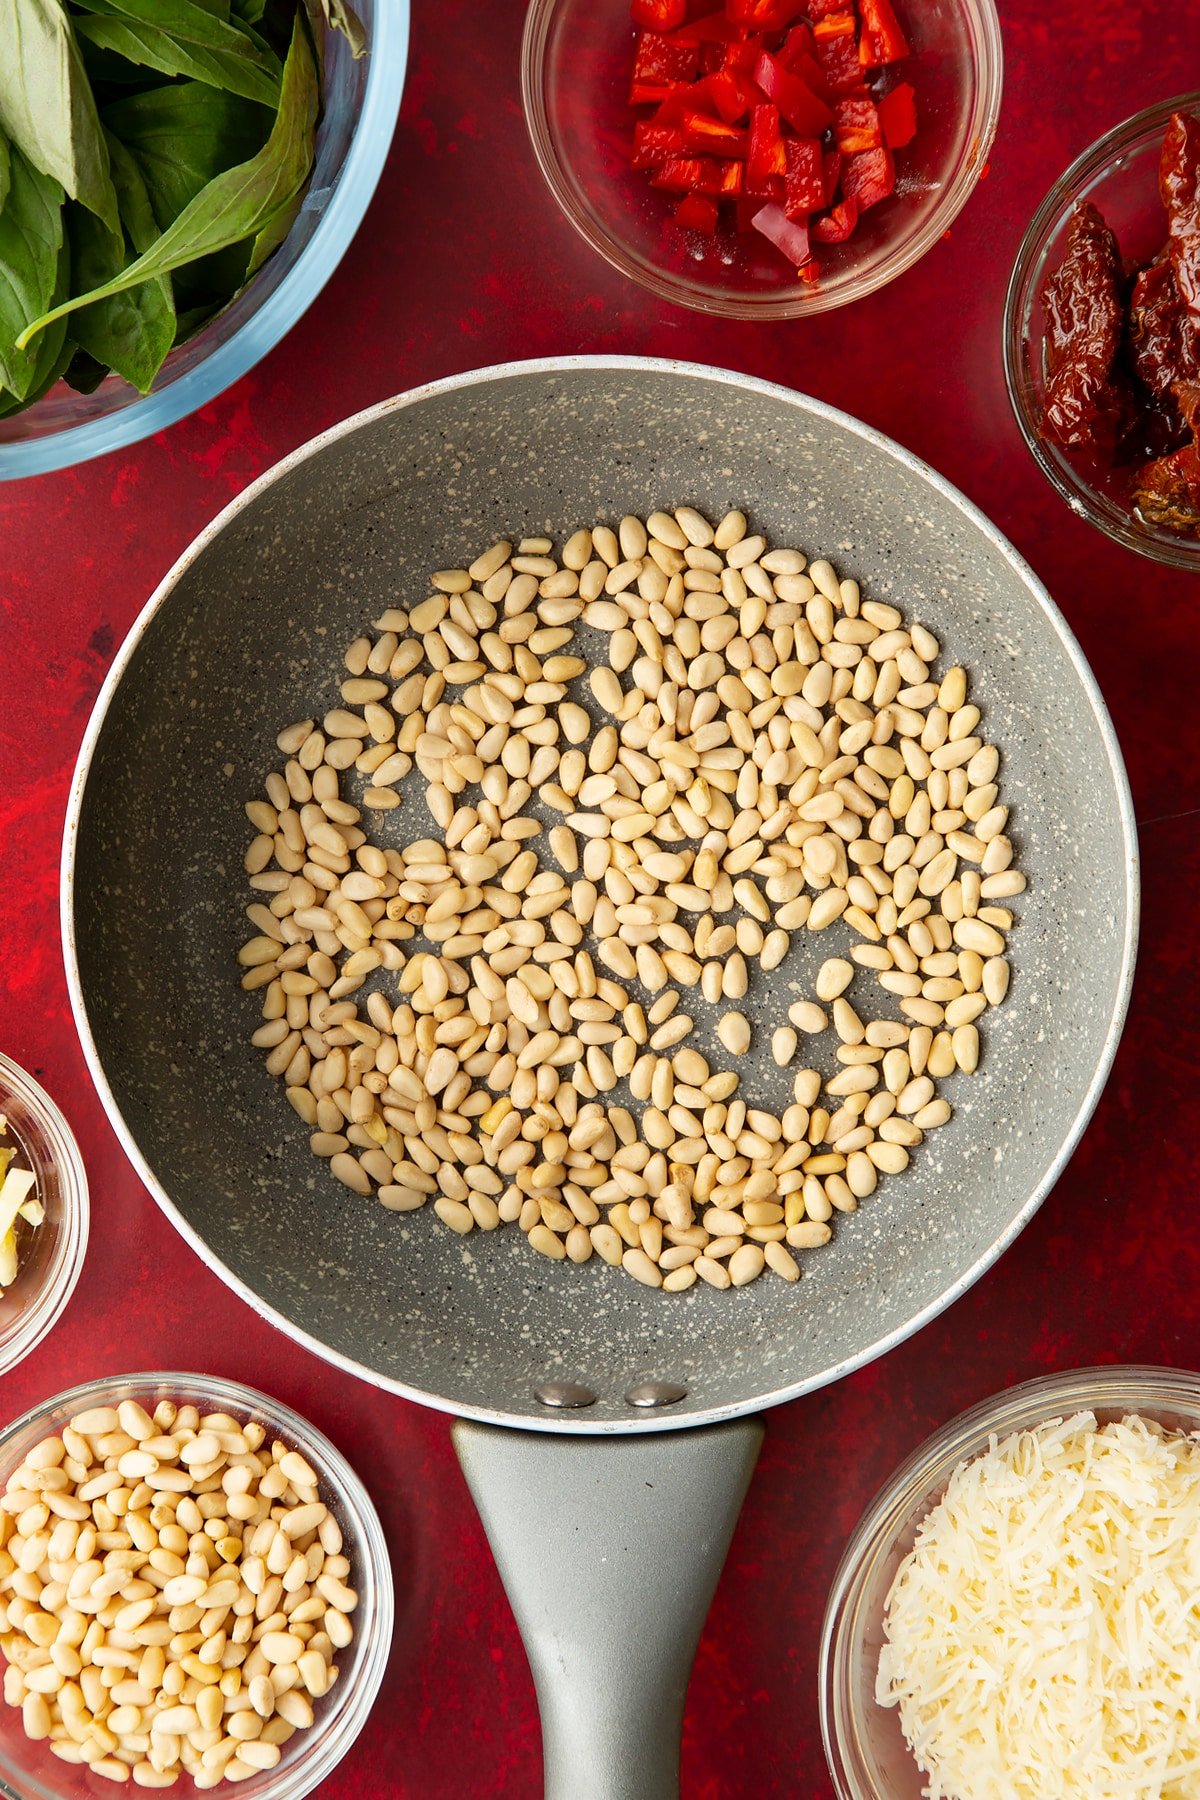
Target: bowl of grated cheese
<point x="1015" y="1616"/>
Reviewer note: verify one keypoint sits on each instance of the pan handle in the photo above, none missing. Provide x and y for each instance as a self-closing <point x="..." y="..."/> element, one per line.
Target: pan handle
<point x="609" y="1549"/>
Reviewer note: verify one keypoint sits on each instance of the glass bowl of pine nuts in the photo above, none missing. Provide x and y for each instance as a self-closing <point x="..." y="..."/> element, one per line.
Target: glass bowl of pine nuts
<point x="220" y="1599"/>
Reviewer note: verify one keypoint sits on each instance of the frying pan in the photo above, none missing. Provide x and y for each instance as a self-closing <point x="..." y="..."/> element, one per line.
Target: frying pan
<point x="245" y="635"/>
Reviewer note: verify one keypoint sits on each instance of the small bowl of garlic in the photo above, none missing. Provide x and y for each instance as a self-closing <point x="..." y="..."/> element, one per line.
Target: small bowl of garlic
<point x="43" y="1213"/>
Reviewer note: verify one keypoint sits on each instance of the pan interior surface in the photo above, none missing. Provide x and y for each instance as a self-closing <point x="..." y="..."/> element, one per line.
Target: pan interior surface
<point x="248" y="635"/>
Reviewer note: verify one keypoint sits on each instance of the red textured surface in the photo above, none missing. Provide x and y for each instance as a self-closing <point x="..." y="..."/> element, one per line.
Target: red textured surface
<point x="464" y="261"/>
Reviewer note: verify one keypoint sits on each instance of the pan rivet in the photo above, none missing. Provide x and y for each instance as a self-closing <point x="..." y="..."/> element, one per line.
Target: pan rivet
<point x="564" y="1394"/>
<point x="655" y="1393"/>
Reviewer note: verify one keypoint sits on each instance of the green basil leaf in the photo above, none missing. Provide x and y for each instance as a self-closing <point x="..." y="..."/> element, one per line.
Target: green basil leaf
<point x="31" y="241"/>
<point x="5" y="170"/>
<point x="340" y="16"/>
<point x="178" y="37"/>
<point x="53" y="352"/>
<point x="47" y="108"/>
<point x="129" y="332"/>
<point x="183" y="137"/>
<point x="239" y="203"/>
<point x="133" y="197"/>
<point x="249" y="11"/>
<point x="194" y="320"/>
<point x="273" y="234"/>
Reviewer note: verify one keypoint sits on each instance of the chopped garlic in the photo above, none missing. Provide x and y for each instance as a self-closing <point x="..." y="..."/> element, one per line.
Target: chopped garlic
<point x="17" y="1201"/>
<point x="1043" y="1635"/>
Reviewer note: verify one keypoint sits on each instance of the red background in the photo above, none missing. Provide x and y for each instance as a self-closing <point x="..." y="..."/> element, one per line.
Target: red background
<point x="464" y="260"/>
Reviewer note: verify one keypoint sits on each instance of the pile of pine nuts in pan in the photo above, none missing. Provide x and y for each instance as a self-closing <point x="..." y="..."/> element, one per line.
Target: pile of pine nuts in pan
<point x="762" y="753"/>
<point x="173" y="1594"/>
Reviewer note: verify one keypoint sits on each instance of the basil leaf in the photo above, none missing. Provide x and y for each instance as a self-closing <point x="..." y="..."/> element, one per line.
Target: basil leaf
<point x="273" y="234"/>
<point x="31" y="241"/>
<point x="249" y="11"/>
<point x="183" y="137"/>
<point x="339" y="16"/>
<point x="46" y="104"/>
<point x="133" y="197"/>
<point x="178" y="37"/>
<point x="237" y="204"/>
<point x="5" y="170"/>
<point x="130" y="332"/>
<point x="54" y="351"/>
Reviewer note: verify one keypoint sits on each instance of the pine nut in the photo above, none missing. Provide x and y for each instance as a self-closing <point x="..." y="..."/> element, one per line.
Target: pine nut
<point x="181" y="1682"/>
<point x="751" y="774"/>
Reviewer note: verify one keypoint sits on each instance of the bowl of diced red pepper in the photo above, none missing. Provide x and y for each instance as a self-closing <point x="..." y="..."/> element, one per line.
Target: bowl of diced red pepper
<point x="1102" y="333"/>
<point x="761" y="158"/>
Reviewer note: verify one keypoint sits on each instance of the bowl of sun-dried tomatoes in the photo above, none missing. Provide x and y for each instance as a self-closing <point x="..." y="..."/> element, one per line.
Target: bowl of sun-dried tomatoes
<point x="762" y="159"/>
<point x="1102" y="333"/>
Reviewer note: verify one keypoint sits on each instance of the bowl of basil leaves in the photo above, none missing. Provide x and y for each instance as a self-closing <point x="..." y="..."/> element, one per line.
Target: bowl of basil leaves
<point x="178" y="180"/>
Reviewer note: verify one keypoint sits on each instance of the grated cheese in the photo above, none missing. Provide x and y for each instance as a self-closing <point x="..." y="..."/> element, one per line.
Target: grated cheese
<point x="1043" y="1635"/>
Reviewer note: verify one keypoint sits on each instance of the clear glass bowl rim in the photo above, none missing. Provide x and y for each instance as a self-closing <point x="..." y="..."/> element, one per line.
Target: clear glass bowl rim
<point x="985" y="31"/>
<point x="1106" y="1389"/>
<point x="1092" y="162"/>
<point x="268" y="324"/>
<point x="326" y="1742"/>
<point x="64" y="1270"/>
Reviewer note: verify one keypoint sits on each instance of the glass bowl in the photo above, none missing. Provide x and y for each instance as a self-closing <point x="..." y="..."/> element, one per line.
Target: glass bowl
<point x="361" y="100"/>
<point x="51" y="1254"/>
<point x="868" y="1757"/>
<point x="575" y="67"/>
<point x="1119" y="175"/>
<point x="28" y="1770"/>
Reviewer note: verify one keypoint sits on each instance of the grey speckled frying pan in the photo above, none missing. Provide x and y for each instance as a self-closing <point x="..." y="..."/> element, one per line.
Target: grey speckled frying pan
<point x="245" y="635"/>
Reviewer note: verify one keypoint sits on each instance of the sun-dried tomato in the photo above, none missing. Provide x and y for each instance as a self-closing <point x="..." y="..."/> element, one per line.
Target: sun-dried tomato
<point x="1082" y="300"/>
<point x="1179" y="186"/>
<point x="1166" y="491"/>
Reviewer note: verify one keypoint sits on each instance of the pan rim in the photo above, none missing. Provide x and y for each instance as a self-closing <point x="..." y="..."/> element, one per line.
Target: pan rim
<point x="720" y="377"/>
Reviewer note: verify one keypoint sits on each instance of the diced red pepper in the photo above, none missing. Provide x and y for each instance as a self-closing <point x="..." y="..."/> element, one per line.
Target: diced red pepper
<point x="658" y="15"/>
<point x="742" y="55"/>
<point x="856" y="125"/>
<point x="710" y="57"/>
<point x="835" y="226"/>
<point x="658" y="59"/>
<point x="678" y="101"/>
<point x="695" y="213"/>
<point x="699" y="175"/>
<point x="837" y="52"/>
<point x="805" y="113"/>
<point x="797" y="44"/>
<point x="705" y="136"/>
<point x="868" y="177"/>
<point x="789" y="236"/>
<point x="767" y="155"/>
<point x="835" y="23"/>
<point x="882" y="40"/>
<point x="707" y="26"/>
<point x="898" y="116"/>
<point x="732" y="95"/>
<point x="831" y="169"/>
<point x="824" y="9"/>
<point x="654" y="143"/>
<point x="764" y="15"/>
<point x="804" y="183"/>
